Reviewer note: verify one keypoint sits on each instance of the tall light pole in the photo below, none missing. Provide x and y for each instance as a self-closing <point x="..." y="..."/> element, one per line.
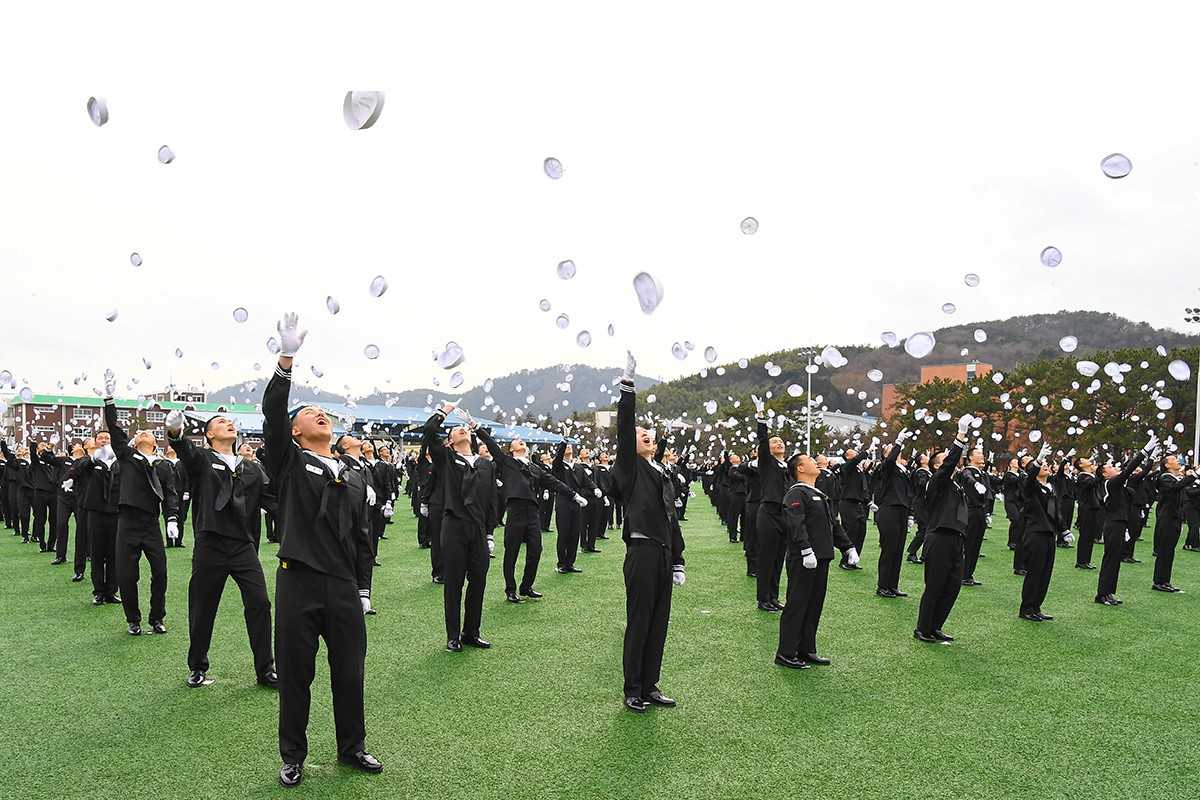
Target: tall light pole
<point x="810" y="368"/>
<point x="1193" y="315"/>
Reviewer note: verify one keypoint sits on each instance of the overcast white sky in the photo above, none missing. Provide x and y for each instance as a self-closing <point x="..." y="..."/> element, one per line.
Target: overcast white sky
<point x="886" y="149"/>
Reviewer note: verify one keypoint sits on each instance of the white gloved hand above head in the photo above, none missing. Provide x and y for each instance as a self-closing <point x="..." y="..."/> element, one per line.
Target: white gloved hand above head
<point x="852" y="556"/>
<point x="581" y="500"/>
<point x="759" y="405"/>
<point x="630" y="367"/>
<point x="810" y="559"/>
<point x="172" y="530"/>
<point x="964" y="423"/>
<point x="678" y="577"/>
<point x="1150" y="445"/>
<point x="290" y="335"/>
<point x="110" y="383"/>
<point x="175" y="420"/>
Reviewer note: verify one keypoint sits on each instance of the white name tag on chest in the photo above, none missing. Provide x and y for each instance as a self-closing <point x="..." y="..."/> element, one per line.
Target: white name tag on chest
<point x="218" y="466"/>
<point x="313" y="470"/>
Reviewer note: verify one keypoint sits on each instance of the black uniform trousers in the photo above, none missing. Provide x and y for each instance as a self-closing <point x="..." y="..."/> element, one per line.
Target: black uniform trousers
<point x="137" y="533"/>
<point x="648" y="583"/>
<point x="1039" y="549"/>
<point x="854" y="522"/>
<point x="214" y="560"/>
<point x="771" y="546"/>
<point x="1019" y="551"/>
<point x="42" y="505"/>
<point x="684" y="493"/>
<point x="4" y="511"/>
<point x="805" y="602"/>
<point x="1137" y="523"/>
<point x="736" y="516"/>
<point x="973" y="542"/>
<point x="1114" y="550"/>
<point x="83" y="542"/>
<point x="521" y="528"/>
<point x="464" y="547"/>
<point x="1015" y="533"/>
<point x="309" y="606"/>
<point x="1166" y="539"/>
<point x="18" y="498"/>
<point x="568" y="518"/>
<point x="1089" y="530"/>
<point x="102" y="535"/>
<point x="546" y="512"/>
<point x="750" y="538"/>
<point x="892" y="522"/>
<point x="593" y="523"/>
<point x="436" y="560"/>
<point x="918" y="540"/>
<point x="1192" y="517"/>
<point x="943" y="578"/>
<point x="62" y="535"/>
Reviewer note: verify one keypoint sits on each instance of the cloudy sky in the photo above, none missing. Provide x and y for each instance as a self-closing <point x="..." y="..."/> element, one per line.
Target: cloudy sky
<point x="885" y="151"/>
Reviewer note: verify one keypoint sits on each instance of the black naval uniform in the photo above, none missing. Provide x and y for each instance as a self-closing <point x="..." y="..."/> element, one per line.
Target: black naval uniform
<point x="753" y="502"/>
<point x="654" y="550"/>
<point x="17" y="484"/>
<point x="325" y="563"/>
<point x="142" y="497"/>
<point x="98" y="503"/>
<point x="852" y="507"/>
<point x="1168" y="523"/>
<point x="811" y="530"/>
<point x="1090" y="519"/>
<point x="977" y="489"/>
<point x="1041" y="524"/>
<point x="223" y="498"/>
<point x="43" y="468"/>
<point x="893" y="499"/>
<point x="1117" y="498"/>
<point x="67" y="506"/>
<point x="770" y="536"/>
<point x="920" y="483"/>
<point x="947" y="508"/>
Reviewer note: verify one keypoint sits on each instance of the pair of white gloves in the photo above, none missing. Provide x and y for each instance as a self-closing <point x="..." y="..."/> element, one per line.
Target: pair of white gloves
<point x="809" y="559"/>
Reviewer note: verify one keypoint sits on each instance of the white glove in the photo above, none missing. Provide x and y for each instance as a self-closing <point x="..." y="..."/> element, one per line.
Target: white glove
<point x="581" y="500"/>
<point x="607" y="503"/>
<point x="491" y="546"/>
<point x="852" y="556"/>
<point x="597" y="492"/>
<point x="630" y="367"/>
<point x="110" y="383"/>
<point x="68" y="484"/>
<point x="678" y="503"/>
<point x="759" y="405"/>
<point x="546" y="495"/>
<point x="964" y="423"/>
<point x="1127" y="536"/>
<point x="1150" y="445"/>
<point x="903" y="435"/>
<point x="1067" y="537"/>
<point x="1045" y="451"/>
<point x="873" y="507"/>
<point x="290" y="338"/>
<point x="499" y="484"/>
<point x="187" y="496"/>
<point x="371" y="495"/>
<point x="678" y="577"/>
<point x="366" y="604"/>
<point x="424" y="510"/>
<point x="387" y="511"/>
<point x="987" y="520"/>
<point x="172" y="530"/>
<point x="810" y="559"/>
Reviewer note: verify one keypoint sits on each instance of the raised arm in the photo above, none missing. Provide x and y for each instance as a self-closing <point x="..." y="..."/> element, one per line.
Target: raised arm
<point x="626" y="467"/>
<point x="277" y="430"/>
<point x="120" y="439"/>
<point x="502" y="458"/>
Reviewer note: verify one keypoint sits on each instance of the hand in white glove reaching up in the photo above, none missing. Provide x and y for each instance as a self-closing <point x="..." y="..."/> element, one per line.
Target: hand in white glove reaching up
<point x="759" y="405"/>
<point x="964" y="423"/>
<point x="175" y="422"/>
<point x="290" y="335"/>
<point x="630" y="367"/>
<point x="110" y="383"/>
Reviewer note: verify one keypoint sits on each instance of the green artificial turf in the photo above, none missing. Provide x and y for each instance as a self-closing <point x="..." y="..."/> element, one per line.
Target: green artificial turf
<point x="1100" y="703"/>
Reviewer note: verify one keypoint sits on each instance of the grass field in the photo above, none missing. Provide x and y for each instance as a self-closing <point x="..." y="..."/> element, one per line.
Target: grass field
<point x="1100" y="703"/>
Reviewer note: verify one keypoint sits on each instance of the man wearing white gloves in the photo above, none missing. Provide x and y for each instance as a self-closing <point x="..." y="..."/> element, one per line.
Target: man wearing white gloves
<point x="227" y="496"/>
<point x="322" y="588"/>
<point x="946" y="507"/>
<point x="143" y="494"/>
<point x="653" y="555"/>
<point x="1117" y="498"/>
<point x="812" y="533"/>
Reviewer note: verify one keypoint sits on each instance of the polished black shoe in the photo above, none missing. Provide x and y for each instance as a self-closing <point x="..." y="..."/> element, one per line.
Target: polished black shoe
<point x="636" y="704"/>
<point x="512" y="597"/>
<point x="158" y="627"/>
<point x="1084" y="566"/>
<point x="659" y="699"/>
<point x="77" y="577"/>
<point x="1131" y="561"/>
<point x="1020" y="572"/>
<point x="438" y="579"/>
<point x="768" y="607"/>
<point x="778" y="605"/>
<point x="925" y="637"/>
<point x="135" y="629"/>
<point x="454" y="646"/>
<point x="1159" y="587"/>
<point x="751" y="574"/>
<point x="98" y="600"/>
<point x="361" y="760"/>
<point x="1045" y="617"/>
<point x="813" y="658"/>
<point x="58" y="561"/>
<point x="1107" y="600"/>
<point x="196" y="679"/>
<point x="856" y="566"/>
<point x="572" y="569"/>
<point x="1116" y="599"/>
<point x="533" y="594"/>
<point x="1173" y="589"/>
<point x="291" y="775"/>
<point x="914" y="560"/>
<point x="898" y="593"/>
<point x="111" y="598"/>
<point x="1031" y="617"/>
<point x="475" y="641"/>
<point x="1191" y="549"/>
<point x="885" y="593"/>
<point x="845" y="566"/>
<point x="270" y="679"/>
<point x="790" y="662"/>
<point x="942" y="637"/>
<point x="591" y="550"/>
<point x="971" y="582"/>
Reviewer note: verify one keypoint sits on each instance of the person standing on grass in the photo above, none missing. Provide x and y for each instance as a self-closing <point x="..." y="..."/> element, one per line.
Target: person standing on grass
<point x="226" y="490"/>
<point x="653" y="556"/>
<point x="852" y="506"/>
<point x="1041" y="524"/>
<point x="19" y="482"/>
<point x="99" y="502"/>
<point x="812" y="534"/>
<point x="1168" y="522"/>
<point x="1117" y="498"/>
<point x="142" y="497"/>
<point x="978" y="492"/>
<point x="65" y="502"/>
<point x="1090" y="519"/>
<point x="946" y="504"/>
<point x="920" y="482"/>
<point x="770" y="536"/>
<point x="322" y="587"/>
<point x="893" y="499"/>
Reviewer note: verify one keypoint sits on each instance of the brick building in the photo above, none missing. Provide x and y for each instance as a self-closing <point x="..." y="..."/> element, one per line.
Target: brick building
<point x="964" y="373"/>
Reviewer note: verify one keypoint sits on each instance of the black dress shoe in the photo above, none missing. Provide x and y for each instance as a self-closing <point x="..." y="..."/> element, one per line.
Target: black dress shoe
<point x="845" y="566"/>
<point x="1116" y="599"/>
<point x="77" y="577"/>
<point x="270" y="679"/>
<point x="1107" y="600"/>
<point x="790" y="662"/>
<point x="636" y="704"/>
<point x="768" y="607"/>
<point x="135" y="629"/>
<point x="885" y="593"/>
<point x="971" y="582"/>
<point x="196" y="679"/>
<point x="438" y="579"/>
<point x="659" y="699"/>
<point x="1084" y="566"/>
<point x="942" y="637"/>
<point x="778" y="605"/>
<point x="572" y="569"/>
<point x="898" y="593"/>
<point x="533" y="594"/>
<point x="454" y="646"/>
<point x="914" y="560"/>
<point x="1031" y="617"/>
<point x="361" y="760"/>
<point x="1020" y="572"/>
<point x="813" y="658"/>
<point x="98" y="600"/>
<point x="111" y="598"/>
<point x="59" y="561"/>
<point x="856" y="566"/>
<point x="1130" y="561"/>
<point x="475" y="641"/>
<point x="1159" y="587"/>
<point x="291" y="775"/>
<point x="512" y="597"/>
<point x="924" y="637"/>
<point x="158" y="627"/>
<point x="751" y="574"/>
<point x="1045" y="617"/>
<point x="1173" y="589"/>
